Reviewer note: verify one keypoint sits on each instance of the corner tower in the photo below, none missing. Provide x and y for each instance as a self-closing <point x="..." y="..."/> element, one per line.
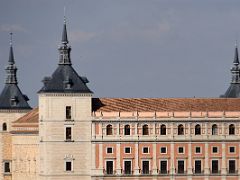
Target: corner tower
<point x="65" y="111"/>
<point x="13" y="105"/>
<point x="234" y="89"/>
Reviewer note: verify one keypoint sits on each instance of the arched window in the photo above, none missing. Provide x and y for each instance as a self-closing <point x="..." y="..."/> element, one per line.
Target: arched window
<point x="4" y="127"/>
<point x="127" y="129"/>
<point x="163" y="129"/>
<point x="109" y="129"/>
<point x="214" y="129"/>
<point x="231" y="129"/>
<point x="145" y="129"/>
<point x="180" y="130"/>
<point x="197" y="129"/>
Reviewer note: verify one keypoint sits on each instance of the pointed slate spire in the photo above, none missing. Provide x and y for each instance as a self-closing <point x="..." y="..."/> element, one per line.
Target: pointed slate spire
<point x="235" y="69"/>
<point x="236" y="59"/>
<point x="64" y="49"/>
<point x="11" y="69"/>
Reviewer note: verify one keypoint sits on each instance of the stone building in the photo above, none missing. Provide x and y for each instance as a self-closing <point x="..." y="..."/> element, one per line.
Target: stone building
<point x="71" y="135"/>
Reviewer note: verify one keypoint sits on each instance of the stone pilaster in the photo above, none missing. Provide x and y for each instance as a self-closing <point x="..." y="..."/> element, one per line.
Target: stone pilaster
<point x="154" y="168"/>
<point x="206" y="164"/>
<point x="136" y="168"/>
<point x="118" y="160"/>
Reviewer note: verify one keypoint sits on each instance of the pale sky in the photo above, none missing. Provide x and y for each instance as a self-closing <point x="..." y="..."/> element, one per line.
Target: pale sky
<point x="126" y="48"/>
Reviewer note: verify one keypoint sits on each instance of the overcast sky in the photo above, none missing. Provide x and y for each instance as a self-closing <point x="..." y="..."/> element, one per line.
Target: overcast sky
<point x="126" y="48"/>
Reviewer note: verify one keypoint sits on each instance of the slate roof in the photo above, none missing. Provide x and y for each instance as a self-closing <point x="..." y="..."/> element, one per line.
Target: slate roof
<point x="233" y="91"/>
<point x="62" y="75"/>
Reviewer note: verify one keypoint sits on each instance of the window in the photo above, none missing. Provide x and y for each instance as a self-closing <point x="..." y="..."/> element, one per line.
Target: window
<point x="68" y="133"/>
<point x="145" y="150"/>
<point x="198" y="167"/>
<point x="214" y="129"/>
<point x="127" y="167"/>
<point x="109" y="167"/>
<point x="163" y="150"/>
<point x="231" y="166"/>
<point x="109" y="150"/>
<point x="127" y="130"/>
<point x="68" y="165"/>
<point x="4" y="127"/>
<point x="214" y="166"/>
<point x="180" y="150"/>
<point x="68" y="112"/>
<point x="214" y="149"/>
<point x="180" y="130"/>
<point x="127" y="150"/>
<point x="7" y="167"/>
<point x="197" y="129"/>
<point x="231" y="129"/>
<point x="145" y="167"/>
<point x="181" y="167"/>
<point x="163" y="167"/>
<point x="109" y="129"/>
<point x="198" y="150"/>
<point x="232" y="149"/>
<point x="163" y="129"/>
<point x="145" y="130"/>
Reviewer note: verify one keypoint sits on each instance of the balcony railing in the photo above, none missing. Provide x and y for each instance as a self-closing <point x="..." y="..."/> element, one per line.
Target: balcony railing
<point x="232" y="171"/>
<point x="163" y="172"/>
<point x="127" y="172"/>
<point x="146" y="172"/>
<point x="216" y="171"/>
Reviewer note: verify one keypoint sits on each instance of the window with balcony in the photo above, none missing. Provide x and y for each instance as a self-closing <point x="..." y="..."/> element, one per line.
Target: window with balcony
<point x="231" y="129"/>
<point x="163" y="167"/>
<point x="198" y="166"/>
<point x="180" y="130"/>
<point x="163" y="129"/>
<point x="4" y="127"/>
<point x="214" y="166"/>
<point x="127" y="129"/>
<point x="68" y="134"/>
<point x="68" y="112"/>
<point x="127" y="167"/>
<point x="145" y="130"/>
<point x="232" y="166"/>
<point x="109" y="167"/>
<point x="214" y="129"/>
<point x="180" y="167"/>
<point x="163" y="150"/>
<point x="197" y="129"/>
<point x="109" y="129"/>
<point x="145" y="167"/>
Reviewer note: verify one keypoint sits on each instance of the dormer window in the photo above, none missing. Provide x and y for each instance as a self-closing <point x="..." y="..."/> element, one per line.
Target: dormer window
<point x="68" y="83"/>
<point x="14" y="101"/>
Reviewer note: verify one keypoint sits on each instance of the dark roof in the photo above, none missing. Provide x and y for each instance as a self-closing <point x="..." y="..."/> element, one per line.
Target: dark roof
<point x="62" y="75"/>
<point x="11" y="92"/>
<point x="233" y="91"/>
<point x="165" y="104"/>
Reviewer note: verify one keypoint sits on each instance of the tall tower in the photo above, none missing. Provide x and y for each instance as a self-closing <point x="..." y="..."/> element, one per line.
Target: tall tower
<point x="65" y="107"/>
<point x="234" y="89"/>
<point x="13" y="105"/>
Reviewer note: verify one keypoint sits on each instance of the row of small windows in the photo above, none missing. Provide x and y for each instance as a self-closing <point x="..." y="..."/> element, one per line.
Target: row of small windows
<point x="163" y="169"/>
<point x="163" y="129"/>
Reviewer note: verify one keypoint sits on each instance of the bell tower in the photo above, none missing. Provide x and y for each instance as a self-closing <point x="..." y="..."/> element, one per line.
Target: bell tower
<point x="65" y="109"/>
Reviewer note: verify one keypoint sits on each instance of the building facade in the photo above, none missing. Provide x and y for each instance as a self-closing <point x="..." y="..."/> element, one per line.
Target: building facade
<point x="71" y="135"/>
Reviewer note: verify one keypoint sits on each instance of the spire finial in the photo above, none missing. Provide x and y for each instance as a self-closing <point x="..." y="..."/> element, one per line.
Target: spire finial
<point x="64" y="14"/>
<point x="236" y="59"/>
<point x="11" y="34"/>
<point x="11" y="56"/>
<point x="64" y="33"/>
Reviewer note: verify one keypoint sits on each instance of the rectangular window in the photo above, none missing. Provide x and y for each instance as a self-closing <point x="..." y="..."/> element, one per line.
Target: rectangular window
<point x="145" y="150"/>
<point x="68" y="166"/>
<point x="163" y="150"/>
<point x="127" y="167"/>
<point x="7" y="167"/>
<point x="109" y="167"/>
<point x="180" y="167"/>
<point x="109" y="150"/>
<point x="198" y="167"/>
<point x="214" y="149"/>
<point x="232" y="149"/>
<point x="145" y="167"/>
<point x="198" y="150"/>
<point x="180" y="150"/>
<point x="214" y="166"/>
<point x="127" y="150"/>
<point x="232" y="167"/>
<point x="68" y="112"/>
<point x="163" y="167"/>
<point x="68" y="133"/>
